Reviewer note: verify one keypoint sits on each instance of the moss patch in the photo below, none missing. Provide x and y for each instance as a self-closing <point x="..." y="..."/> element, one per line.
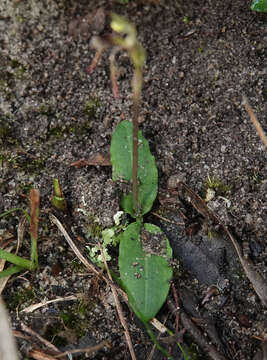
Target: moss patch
<point x="91" y="105"/>
<point x="18" y="298"/>
<point x="213" y="183"/>
<point x="22" y="161"/>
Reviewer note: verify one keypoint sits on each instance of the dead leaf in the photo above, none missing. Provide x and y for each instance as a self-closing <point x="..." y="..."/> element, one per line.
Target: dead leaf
<point x="96" y="159"/>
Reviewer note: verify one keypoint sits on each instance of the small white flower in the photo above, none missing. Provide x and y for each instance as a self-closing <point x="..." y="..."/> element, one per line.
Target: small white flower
<point x="117" y="217"/>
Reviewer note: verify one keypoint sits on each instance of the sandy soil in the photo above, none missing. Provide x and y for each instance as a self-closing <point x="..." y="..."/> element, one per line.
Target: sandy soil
<point x="202" y="57"/>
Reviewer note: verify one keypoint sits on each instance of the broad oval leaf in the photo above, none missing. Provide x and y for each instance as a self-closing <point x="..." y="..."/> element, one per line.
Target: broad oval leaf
<point x="121" y="153"/>
<point x="145" y="276"/>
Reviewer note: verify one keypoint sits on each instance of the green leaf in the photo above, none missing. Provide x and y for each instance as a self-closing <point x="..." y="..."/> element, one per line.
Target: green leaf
<point x="121" y="152"/>
<point x="145" y="276"/>
<point x="16" y="260"/>
<point x="10" y="271"/>
<point x="259" y="5"/>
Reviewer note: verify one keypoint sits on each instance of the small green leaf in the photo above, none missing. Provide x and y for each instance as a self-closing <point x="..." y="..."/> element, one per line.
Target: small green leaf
<point x="121" y="152"/>
<point x="145" y="277"/>
<point x="259" y="5"/>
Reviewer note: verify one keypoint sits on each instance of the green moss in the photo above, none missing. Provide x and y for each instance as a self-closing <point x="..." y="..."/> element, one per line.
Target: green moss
<point x="53" y="332"/>
<point x="77" y="266"/>
<point x="212" y="234"/>
<point x="19" y="298"/>
<point x="33" y="166"/>
<point x="12" y="160"/>
<point x="76" y="319"/>
<point x="19" y="68"/>
<point x="186" y="19"/>
<point x="94" y="230"/>
<point x="25" y="187"/>
<point x="44" y="109"/>
<point x="195" y="353"/>
<point x="80" y="129"/>
<point x="7" y="137"/>
<point x="4" y="132"/>
<point x="91" y="106"/>
<point x="256" y="178"/>
<point x="56" y="132"/>
<point x="220" y="188"/>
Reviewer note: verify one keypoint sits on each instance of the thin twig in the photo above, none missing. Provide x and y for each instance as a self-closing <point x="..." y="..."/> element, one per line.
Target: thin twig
<point x="88" y="350"/>
<point x="72" y="245"/>
<point x="167" y="220"/>
<point x="255" y="121"/>
<point x="200" y="338"/>
<point x="43" y="341"/>
<point x="86" y="263"/>
<point x="34" y="307"/>
<point x="257" y="280"/>
<point x="118" y="307"/>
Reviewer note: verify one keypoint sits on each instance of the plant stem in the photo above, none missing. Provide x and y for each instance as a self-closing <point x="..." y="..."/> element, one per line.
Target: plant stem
<point x="137" y="85"/>
<point x="35" y="203"/>
<point x="155" y="341"/>
<point x="135" y="156"/>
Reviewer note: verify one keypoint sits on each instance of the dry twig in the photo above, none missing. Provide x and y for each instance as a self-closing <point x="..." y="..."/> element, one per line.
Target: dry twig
<point x="34" y="307"/>
<point x="31" y="332"/>
<point x="86" y="263"/>
<point x="255" y="121"/>
<point x="88" y="350"/>
<point x="118" y="307"/>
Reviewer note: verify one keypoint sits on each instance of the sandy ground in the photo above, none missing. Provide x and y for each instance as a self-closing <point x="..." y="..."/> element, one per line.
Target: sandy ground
<point x="202" y="57"/>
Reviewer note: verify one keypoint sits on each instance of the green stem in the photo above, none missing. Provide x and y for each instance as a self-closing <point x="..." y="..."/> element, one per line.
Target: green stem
<point x="137" y="85"/>
<point x="155" y="341"/>
<point x="34" y="253"/>
<point x="58" y="200"/>
<point x="135" y="156"/>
